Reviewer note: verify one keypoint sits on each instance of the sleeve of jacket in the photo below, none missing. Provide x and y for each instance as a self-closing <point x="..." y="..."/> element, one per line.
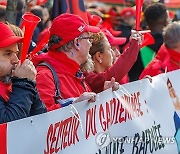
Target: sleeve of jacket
<point x="118" y="70"/>
<point x="153" y="69"/>
<point x="20" y="101"/>
<point x="46" y="87"/>
<point x="38" y="106"/>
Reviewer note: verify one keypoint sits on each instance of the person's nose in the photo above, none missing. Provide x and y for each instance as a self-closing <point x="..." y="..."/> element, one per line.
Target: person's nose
<point x="14" y="59"/>
<point x="90" y="43"/>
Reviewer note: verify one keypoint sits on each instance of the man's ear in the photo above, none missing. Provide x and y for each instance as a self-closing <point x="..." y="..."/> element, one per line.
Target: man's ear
<point x="76" y="44"/>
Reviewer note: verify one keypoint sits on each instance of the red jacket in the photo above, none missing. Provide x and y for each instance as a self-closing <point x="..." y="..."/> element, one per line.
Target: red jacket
<point x="118" y="70"/>
<point x="171" y="63"/>
<point x="66" y="69"/>
<point x="162" y="52"/>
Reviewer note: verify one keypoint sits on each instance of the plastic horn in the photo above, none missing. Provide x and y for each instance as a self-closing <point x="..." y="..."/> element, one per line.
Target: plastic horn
<point x="30" y="21"/>
<point x="40" y="45"/>
<point x="22" y="24"/>
<point x="138" y="13"/>
<point x="148" y="39"/>
<point x="144" y="31"/>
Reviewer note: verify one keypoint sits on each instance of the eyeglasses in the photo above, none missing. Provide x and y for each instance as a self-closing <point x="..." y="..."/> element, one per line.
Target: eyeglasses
<point x="89" y="38"/>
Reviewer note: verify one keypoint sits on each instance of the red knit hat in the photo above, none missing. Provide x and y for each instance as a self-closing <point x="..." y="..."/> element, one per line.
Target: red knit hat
<point x="68" y="27"/>
<point x="113" y="40"/>
<point x="7" y="37"/>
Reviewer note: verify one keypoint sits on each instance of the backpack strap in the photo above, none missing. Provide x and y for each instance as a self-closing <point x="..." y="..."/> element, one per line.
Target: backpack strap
<point x="58" y="98"/>
<point x="56" y="81"/>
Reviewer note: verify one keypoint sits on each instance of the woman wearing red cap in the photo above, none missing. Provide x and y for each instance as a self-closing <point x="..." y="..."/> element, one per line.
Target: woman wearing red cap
<point x="18" y="95"/>
<point x="101" y="53"/>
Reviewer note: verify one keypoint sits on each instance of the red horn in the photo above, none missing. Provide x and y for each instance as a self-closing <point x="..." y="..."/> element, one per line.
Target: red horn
<point x="40" y="44"/>
<point x="30" y="21"/>
<point x="138" y="13"/>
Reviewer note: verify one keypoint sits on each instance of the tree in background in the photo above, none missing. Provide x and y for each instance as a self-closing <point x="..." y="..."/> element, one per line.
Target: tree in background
<point x="11" y="13"/>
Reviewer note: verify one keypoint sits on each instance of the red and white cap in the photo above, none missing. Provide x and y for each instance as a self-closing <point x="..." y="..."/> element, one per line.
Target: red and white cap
<point x="68" y="27"/>
<point x="113" y="40"/>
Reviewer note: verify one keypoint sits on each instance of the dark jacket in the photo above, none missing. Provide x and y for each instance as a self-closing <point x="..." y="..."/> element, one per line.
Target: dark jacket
<point x="138" y="67"/>
<point x="23" y="101"/>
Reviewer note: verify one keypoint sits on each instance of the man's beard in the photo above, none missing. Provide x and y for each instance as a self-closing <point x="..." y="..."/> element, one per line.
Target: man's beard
<point x="7" y="78"/>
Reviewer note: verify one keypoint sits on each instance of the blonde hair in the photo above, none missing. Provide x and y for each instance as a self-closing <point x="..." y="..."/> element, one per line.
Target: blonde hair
<point x="97" y="44"/>
<point x="88" y="66"/>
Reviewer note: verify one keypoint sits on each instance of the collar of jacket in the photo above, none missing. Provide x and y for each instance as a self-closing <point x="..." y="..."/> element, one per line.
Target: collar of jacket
<point x="70" y="65"/>
<point x="174" y="55"/>
<point x="5" y="90"/>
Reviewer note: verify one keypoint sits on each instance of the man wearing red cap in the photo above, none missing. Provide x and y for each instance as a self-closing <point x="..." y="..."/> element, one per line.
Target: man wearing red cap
<point x="171" y="48"/>
<point x="18" y="96"/>
<point x="60" y="77"/>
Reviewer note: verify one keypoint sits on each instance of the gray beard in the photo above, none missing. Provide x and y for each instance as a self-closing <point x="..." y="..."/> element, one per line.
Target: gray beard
<point x="6" y="79"/>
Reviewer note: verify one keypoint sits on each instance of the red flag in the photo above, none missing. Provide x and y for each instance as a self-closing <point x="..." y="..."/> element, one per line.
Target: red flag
<point x="70" y="6"/>
<point x="148" y="40"/>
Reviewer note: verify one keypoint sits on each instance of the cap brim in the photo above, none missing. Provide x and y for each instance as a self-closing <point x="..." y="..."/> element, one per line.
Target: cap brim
<point x="117" y="41"/>
<point x="10" y="40"/>
<point x="93" y="29"/>
<point x="114" y="32"/>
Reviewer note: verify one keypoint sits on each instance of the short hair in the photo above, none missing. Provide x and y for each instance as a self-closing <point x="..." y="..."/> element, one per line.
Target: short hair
<point x="54" y="39"/>
<point x="171" y="34"/>
<point x="18" y="32"/>
<point x="37" y="10"/>
<point x="155" y="13"/>
<point x="2" y="12"/>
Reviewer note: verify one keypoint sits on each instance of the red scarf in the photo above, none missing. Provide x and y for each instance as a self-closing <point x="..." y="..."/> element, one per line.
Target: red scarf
<point x="174" y="55"/>
<point x="5" y="90"/>
<point x="59" y="61"/>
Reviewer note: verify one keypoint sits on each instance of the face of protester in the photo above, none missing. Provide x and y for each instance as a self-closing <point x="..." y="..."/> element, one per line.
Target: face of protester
<point x="84" y="45"/>
<point x="130" y="21"/>
<point x="115" y="53"/>
<point x="106" y="56"/>
<point x="8" y="61"/>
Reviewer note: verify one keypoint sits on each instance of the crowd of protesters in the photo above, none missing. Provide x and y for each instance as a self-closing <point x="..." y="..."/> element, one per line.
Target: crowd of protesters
<point x="80" y="59"/>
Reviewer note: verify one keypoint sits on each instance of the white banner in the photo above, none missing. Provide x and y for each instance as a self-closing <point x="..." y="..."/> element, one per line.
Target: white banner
<point x="136" y="119"/>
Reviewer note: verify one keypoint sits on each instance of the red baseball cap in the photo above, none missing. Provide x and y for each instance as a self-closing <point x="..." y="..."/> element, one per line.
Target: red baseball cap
<point x="7" y="37"/>
<point x="68" y="27"/>
<point x="113" y="40"/>
<point x="128" y="12"/>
